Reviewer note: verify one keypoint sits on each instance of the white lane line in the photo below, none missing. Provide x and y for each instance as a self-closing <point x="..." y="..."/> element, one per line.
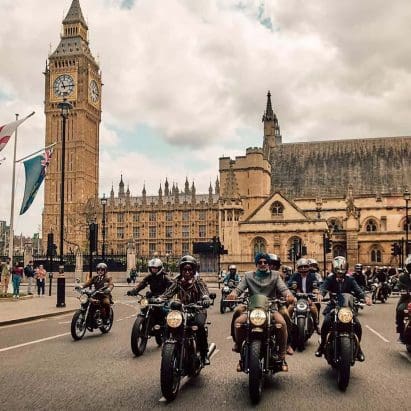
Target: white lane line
<point x="406" y="356"/>
<point x="186" y="378"/>
<point x="21" y="324"/>
<point x="120" y="319"/>
<point x="33" y="342"/>
<point x="228" y="338"/>
<point x="65" y="322"/>
<point x="377" y="334"/>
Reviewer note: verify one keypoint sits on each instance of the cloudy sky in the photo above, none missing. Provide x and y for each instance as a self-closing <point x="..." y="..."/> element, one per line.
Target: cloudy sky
<point x="185" y="81"/>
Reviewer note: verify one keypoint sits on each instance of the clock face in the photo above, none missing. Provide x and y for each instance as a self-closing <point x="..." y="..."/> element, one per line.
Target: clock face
<point x="63" y="85"/>
<point x="94" y="92"/>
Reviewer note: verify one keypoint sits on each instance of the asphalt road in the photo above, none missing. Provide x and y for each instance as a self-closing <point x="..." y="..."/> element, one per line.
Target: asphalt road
<point x="43" y="368"/>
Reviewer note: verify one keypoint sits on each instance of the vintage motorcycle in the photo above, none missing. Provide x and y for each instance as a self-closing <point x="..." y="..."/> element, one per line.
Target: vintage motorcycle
<point x="259" y="352"/>
<point x="407" y="323"/>
<point x="342" y="343"/>
<point x="150" y="322"/>
<point x="89" y="316"/>
<point x="379" y="291"/>
<point x="226" y="290"/>
<point x="180" y="354"/>
<point x="302" y="320"/>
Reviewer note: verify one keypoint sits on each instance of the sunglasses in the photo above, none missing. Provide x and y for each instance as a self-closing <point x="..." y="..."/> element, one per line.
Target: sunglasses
<point x="304" y="267"/>
<point x="187" y="269"/>
<point x="101" y="269"/>
<point x="261" y="262"/>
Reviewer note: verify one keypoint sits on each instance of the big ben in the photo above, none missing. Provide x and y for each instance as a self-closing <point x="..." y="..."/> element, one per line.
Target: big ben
<point x="72" y="73"/>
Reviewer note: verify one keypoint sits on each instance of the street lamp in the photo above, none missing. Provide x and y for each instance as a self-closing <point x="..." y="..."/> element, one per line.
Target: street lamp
<point x="406" y="198"/>
<point x="103" y="249"/>
<point x="64" y="106"/>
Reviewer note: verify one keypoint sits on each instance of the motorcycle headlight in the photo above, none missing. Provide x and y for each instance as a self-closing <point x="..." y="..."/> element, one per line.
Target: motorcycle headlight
<point x="174" y="319"/>
<point x="345" y="315"/>
<point x="301" y="306"/>
<point x="226" y="289"/>
<point x="258" y="317"/>
<point x="83" y="298"/>
<point x="143" y="302"/>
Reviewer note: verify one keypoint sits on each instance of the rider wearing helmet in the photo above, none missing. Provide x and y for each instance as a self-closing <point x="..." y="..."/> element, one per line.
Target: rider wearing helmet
<point x="232" y="275"/>
<point x="156" y="278"/>
<point x="404" y="283"/>
<point x="359" y="277"/>
<point x="101" y="280"/>
<point x="191" y="289"/>
<point x="314" y="268"/>
<point x="304" y="281"/>
<point x="338" y="282"/>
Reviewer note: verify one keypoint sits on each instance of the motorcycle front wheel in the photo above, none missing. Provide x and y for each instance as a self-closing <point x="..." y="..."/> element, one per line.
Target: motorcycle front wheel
<point x="105" y="328"/>
<point x="300" y="333"/>
<point x="78" y="325"/>
<point x="222" y="305"/>
<point x="344" y="365"/>
<point x="139" y="336"/>
<point x="169" y="371"/>
<point x="255" y="380"/>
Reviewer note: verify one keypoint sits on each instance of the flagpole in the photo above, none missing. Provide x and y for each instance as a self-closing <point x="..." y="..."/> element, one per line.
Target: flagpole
<point x="36" y="152"/>
<point x="13" y="184"/>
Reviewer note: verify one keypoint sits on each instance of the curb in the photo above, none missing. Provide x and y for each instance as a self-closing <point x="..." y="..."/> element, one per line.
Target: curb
<point x="35" y="317"/>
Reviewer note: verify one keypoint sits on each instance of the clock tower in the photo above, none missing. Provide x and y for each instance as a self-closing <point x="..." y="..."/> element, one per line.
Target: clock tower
<point x="72" y="73"/>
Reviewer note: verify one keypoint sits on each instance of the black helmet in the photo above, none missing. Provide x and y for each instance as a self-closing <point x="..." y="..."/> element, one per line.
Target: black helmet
<point x="155" y="263"/>
<point x="188" y="259"/>
<point x="275" y="260"/>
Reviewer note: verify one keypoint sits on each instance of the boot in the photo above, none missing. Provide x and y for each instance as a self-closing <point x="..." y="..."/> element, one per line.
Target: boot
<point x="320" y="351"/>
<point x="360" y="355"/>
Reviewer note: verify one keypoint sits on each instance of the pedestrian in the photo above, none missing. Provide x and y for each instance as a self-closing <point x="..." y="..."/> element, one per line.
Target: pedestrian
<point x="17" y="276"/>
<point x="29" y="273"/>
<point x="133" y="275"/>
<point x="5" y="275"/>
<point x="40" y="277"/>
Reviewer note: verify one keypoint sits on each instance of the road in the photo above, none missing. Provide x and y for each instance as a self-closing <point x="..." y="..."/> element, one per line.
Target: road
<point x="43" y="368"/>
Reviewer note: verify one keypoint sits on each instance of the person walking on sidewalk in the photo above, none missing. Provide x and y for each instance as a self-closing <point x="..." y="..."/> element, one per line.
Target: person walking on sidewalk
<point x="40" y="276"/>
<point x="29" y="273"/>
<point x="17" y="276"/>
<point x="5" y="275"/>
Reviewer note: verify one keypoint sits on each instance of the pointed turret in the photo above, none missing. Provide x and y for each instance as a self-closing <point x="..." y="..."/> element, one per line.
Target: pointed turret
<point x="269" y="113"/>
<point x="176" y="194"/>
<point x="144" y="193"/>
<point x="75" y="15"/>
<point x="166" y="189"/>
<point x="193" y="193"/>
<point x="160" y="191"/>
<point x="128" y="191"/>
<point x="187" y="187"/>
<point x="217" y="186"/>
<point x="121" y="187"/>
<point x="112" y="191"/>
<point x="210" y="193"/>
<point x="272" y="134"/>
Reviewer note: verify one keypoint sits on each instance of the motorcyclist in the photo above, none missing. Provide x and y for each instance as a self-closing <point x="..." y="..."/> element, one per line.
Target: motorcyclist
<point x="404" y="283"/>
<point x="314" y="268"/>
<point x="156" y="279"/>
<point x="381" y="277"/>
<point x="231" y="275"/>
<point x="190" y="289"/>
<point x="286" y="273"/>
<point x="101" y="280"/>
<point x="304" y="281"/>
<point x="359" y="276"/>
<point x="339" y="283"/>
<point x="267" y="282"/>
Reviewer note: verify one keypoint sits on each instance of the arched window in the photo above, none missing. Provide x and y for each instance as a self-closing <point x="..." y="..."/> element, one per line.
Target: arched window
<point x="339" y="249"/>
<point x="334" y="225"/>
<point x="371" y="225"/>
<point x="277" y="209"/>
<point x="376" y="255"/>
<point x="259" y="246"/>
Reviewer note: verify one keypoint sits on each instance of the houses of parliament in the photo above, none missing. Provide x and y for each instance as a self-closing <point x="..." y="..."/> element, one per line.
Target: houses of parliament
<point x="354" y="191"/>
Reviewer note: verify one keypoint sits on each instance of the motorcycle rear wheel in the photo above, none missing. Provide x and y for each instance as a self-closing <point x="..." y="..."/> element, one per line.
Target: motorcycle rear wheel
<point x="139" y="336"/>
<point x="222" y="306"/>
<point x="107" y="327"/>
<point x="169" y="373"/>
<point x="255" y="381"/>
<point x="300" y="333"/>
<point x="344" y="366"/>
<point x="78" y="325"/>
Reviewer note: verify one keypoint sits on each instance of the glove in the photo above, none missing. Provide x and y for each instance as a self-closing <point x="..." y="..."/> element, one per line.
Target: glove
<point x="107" y="291"/>
<point x="206" y="302"/>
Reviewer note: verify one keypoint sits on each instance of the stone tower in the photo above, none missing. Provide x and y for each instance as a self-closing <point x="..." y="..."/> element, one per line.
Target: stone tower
<point x="272" y="135"/>
<point x="72" y="73"/>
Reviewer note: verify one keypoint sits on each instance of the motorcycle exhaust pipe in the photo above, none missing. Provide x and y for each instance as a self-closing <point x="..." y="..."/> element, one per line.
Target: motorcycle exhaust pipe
<point x="211" y="349"/>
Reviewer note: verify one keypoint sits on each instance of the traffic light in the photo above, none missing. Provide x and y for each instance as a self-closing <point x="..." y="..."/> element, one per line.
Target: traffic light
<point x="395" y="249"/>
<point x="291" y="254"/>
<point x="327" y="245"/>
<point x="304" y="250"/>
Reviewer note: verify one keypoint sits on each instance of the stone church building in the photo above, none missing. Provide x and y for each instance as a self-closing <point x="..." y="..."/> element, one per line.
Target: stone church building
<point x="264" y="200"/>
<point x="350" y="189"/>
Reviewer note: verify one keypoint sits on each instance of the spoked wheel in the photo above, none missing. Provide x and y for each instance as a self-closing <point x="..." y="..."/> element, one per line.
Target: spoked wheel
<point x="105" y="328"/>
<point x="344" y="365"/>
<point x="255" y="380"/>
<point x="78" y="325"/>
<point x="139" y="336"/>
<point x="169" y="372"/>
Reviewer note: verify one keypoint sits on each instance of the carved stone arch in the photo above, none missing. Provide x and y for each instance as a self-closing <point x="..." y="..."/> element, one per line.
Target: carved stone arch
<point x="277" y="209"/>
<point x="371" y="224"/>
<point x="258" y="245"/>
<point x="335" y="224"/>
<point x="375" y="253"/>
<point x="401" y="225"/>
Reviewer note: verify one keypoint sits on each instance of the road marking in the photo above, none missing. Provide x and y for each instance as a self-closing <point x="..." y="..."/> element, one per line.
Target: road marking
<point x="186" y="378"/>
<point x="406" y="356"/>
<point x="120" y="319"/>
<point x="20" y="324"/>
<point x="228" y="338"/>
<point x="65" y="322"/>
<point x="377" y="334"/>
<point x="33" y="342"/>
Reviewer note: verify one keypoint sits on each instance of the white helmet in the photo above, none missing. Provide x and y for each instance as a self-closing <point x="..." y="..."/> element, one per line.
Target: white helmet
<point x="155" y="263"/>
<point x="101" y="266"/>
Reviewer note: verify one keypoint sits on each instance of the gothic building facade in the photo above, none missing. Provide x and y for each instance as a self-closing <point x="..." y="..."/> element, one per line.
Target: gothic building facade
<point x="352" y="190"/>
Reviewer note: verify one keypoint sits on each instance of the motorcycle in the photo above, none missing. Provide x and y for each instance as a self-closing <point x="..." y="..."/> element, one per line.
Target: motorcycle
<point x="342" y="344"/>
<point x="150" y="322"/>
<point x="379" y="291"/>
<point x="407" y="323"/>
<point x="302" y="320"/>
<point x="224" y="303"/>
<point x="358" y="305"/>
<point x="89" y="317"/>
<point x="259" y="351"/>
<point x="180" y="355"/>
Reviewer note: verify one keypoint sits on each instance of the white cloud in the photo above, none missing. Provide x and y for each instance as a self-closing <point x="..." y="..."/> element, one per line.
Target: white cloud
<point x="198" y="72"/>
